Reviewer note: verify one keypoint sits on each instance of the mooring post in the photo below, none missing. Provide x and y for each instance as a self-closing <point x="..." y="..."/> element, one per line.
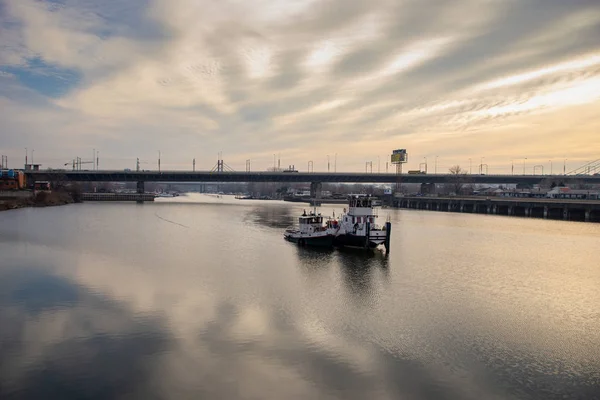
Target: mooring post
<point x="388" y="234"/>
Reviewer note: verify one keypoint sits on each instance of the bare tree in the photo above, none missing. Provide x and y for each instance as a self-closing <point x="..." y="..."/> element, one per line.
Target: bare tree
<point x="458" y="179"/>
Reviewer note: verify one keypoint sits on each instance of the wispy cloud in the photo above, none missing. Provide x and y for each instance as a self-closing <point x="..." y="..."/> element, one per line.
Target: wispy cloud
<point x="300" y="78"/>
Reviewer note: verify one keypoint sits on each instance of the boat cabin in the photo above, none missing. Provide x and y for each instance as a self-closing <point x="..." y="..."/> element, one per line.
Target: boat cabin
<point x="311" y="220"/>
<point x="361" y="206"/>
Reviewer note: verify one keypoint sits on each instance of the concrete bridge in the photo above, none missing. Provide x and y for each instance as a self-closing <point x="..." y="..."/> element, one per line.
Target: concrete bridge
<point x="315" y="179"/>
<point x="299" y="177"/>
<point x="577" y="210"/>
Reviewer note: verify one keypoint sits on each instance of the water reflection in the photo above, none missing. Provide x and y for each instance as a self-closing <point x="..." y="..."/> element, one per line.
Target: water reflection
<point x="59" y="340"/>
<point x="271" y="216"/>
<point x="360" y="268"/>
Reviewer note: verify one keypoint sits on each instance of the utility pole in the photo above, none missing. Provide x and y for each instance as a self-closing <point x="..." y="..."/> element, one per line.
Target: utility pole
<point x="158" y="160"/>
<point x="565" y="167"/>
<point x="97" y="160"/>
<point x="26" y="157"/>
<point x="512" y="166"/>
<point x="194" y="165"/>
<point x="93" y="159"/>
<point x="327" y="163"/>
<point x="137" y="164"/>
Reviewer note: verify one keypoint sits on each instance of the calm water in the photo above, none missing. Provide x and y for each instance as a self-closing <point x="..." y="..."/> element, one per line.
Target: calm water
<point x="200" y="297"/>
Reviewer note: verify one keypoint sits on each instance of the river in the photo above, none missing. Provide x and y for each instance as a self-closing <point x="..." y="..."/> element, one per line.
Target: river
<point x="200" y="297"/>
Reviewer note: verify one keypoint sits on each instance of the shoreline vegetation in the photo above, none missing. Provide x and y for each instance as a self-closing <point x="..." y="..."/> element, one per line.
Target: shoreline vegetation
<point x="41" y="199"/>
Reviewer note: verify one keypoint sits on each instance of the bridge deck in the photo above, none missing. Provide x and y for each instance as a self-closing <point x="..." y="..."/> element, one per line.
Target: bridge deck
<point x="300" y="177"/>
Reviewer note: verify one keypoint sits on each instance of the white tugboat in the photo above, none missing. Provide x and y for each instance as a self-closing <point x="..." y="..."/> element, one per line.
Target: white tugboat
<point x="312" y="232"/>
<point x="357" y="227"/>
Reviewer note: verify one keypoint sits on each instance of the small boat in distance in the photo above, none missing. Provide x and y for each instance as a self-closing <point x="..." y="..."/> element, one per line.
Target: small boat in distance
<point x="311" y="231"/>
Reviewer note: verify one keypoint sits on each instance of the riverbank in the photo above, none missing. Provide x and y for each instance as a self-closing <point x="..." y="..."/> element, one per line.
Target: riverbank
<point x="42" y="199"/>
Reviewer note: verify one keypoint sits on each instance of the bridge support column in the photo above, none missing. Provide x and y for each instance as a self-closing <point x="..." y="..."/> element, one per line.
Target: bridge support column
<point x="511" y="210"/>
<point x="546" y="212"/>
<point x="565" y="213"/>
<point x="140" y="190"/>
<point x="315" y="192"/>
<point x="588" y="214"/>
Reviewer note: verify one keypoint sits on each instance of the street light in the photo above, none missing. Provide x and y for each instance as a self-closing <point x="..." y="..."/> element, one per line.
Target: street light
<point x="158" y="160"/>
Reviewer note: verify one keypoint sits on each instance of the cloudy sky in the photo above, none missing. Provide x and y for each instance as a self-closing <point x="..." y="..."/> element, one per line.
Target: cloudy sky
<point x="457" y="79"/>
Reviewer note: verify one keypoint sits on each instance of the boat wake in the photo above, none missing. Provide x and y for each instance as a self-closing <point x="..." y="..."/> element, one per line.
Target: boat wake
<point x="172" y="222"/>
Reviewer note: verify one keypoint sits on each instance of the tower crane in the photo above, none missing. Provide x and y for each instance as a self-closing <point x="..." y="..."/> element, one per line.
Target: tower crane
<point x="76" y="162"/>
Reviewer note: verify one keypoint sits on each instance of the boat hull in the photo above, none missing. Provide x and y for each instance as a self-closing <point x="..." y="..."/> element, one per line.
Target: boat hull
<point x="349" y="240"/>
<point x="315" y="241"/>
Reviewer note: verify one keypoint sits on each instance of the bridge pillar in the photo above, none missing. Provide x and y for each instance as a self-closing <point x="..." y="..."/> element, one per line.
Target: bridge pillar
<point x="565" y="213"/>
<point x="545" y="212"/>
<point x="140" y="190"/>
<point x="511" y="210"/>
<point x="588" y="214"/>
<point x="315" y="191"/>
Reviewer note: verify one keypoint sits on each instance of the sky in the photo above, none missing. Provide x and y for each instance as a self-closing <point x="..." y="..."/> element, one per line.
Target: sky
<point x="498" y="82"/>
